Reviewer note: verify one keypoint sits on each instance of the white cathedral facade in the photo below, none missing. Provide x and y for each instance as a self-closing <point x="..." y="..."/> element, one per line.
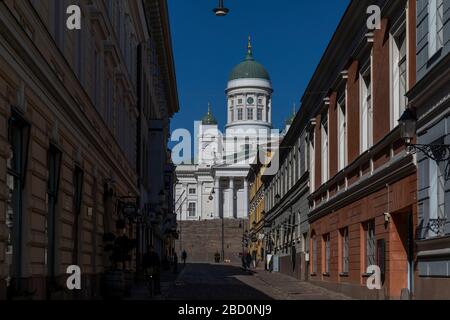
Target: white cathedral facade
<point x="215" y="185"/>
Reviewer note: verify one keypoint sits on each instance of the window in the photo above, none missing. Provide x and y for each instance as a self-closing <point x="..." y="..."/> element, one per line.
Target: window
<point x="435" y="26"/>
<point x="240" y="100"/>
<point x="326" y="240"/>
<point x="370" y="244"/>
<point x="249" y="114"/>
<point x="109" y="108"/>
<point x="324" y="160"/>
<point x="366" y="109"/>
<point x="109" y="7"/>
<point x="342" y="134"/>
<point x="345" y="250"/>
<point x="398" y="75"/>
<point x="54" y="169"/>
<point x="259" y="114"/>
<point x="312" y="166"/>
<point x="247" y="149"/>
<point x="240" y="114"/>
<point x="260" y="101"/>
<point x="192" y="209"/>
<point x="192" y="191"/>
<point x="18" y="137"/>
<point x="436" y="193"/>
<point x="231" y="114"/>
<point x="78" y="178"/>
<point x="314" y="255"/>
<point x="97" y="80"/>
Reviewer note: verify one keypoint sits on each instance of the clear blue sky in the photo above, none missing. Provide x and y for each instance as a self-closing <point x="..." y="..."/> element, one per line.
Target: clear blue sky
<point x="288" y="37"/>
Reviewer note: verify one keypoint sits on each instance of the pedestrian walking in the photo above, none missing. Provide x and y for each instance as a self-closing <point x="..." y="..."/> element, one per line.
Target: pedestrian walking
<point x="244" y="263"/>
<point x="184" y="256"/>
<point x="248" y="260"/>
<point x="152" y="267"/>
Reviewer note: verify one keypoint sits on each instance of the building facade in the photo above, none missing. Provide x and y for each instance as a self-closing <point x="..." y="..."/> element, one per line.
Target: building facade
<point x="363" y="202"/>
<point x="286" y="203"/>
<point x="430" y="100"/>
<point x="68" y="141"/>
<point x="158" y="104"/>
<point x="256" y="237"/>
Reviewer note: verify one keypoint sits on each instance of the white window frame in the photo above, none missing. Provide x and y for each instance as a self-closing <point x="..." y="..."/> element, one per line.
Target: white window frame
<point x="345" y="251"/>
<point x="259" y="114"/>
<point x="189" y="210"/>
<point x="366" y="108"/>
<point x="240" y="112"/>
<point x="342" y="132"/>
<point x="397" y="102"/>
<point x="436" y="193"/>
<point x="435" y="26"/>
<point x="370" y="243"/>
<point x="250" y="114"/>
<point x="312" y="164"/>
<point x="324" y="138"/>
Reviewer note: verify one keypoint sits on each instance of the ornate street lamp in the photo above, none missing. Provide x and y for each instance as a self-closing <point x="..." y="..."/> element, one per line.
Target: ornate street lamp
<point x="408" y="130"/>
<point x="221" y="11"/>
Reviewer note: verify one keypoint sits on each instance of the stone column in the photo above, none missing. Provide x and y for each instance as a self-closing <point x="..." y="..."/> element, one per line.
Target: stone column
<point x="231" y="200"/>
<point x="200" y="199"/>
<point x="216" y="198"/>
<point x="184" y="206"/>
<point x="245" y="199"/>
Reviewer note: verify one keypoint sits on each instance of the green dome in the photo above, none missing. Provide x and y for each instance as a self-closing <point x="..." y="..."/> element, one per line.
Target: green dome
<point x="249" y="68"/>
<point x="208" y="119"/>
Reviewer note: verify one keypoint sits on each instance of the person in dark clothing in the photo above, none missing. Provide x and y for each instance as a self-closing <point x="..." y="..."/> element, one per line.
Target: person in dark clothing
<point x="152" y="267"/>
<point x="244" y="262"/>
<point x="175" y="262"/>
<point x="184" y="256"/>
<point x="248" y="260"/>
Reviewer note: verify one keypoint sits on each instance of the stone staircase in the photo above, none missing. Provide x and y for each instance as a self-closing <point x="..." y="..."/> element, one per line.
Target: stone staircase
<point x="202" y="239"/>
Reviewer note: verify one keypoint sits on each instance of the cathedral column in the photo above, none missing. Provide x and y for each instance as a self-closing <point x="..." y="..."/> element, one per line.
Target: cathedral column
<point x="245" y="199"/>
<point x="216" y="198"/>
<point x="200" y="199"/>
<point x="231" y="203"/>
<point x="184" y="206"/>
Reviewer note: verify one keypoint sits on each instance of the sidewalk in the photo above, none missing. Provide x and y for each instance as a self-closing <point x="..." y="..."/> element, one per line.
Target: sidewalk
<point x="168" y="278"/>
<point x="289" y="288"/>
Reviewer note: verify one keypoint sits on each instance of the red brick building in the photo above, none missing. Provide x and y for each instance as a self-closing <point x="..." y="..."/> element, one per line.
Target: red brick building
<point x="363" y="185"/>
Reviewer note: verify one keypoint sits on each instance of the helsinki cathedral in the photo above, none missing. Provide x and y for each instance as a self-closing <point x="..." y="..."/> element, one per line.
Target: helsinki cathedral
<point x="214" y="186"/>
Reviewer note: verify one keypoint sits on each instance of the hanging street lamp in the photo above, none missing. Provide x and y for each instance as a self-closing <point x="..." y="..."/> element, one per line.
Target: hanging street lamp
<point x="221" y="11"/>
<point x="408" y="130"/>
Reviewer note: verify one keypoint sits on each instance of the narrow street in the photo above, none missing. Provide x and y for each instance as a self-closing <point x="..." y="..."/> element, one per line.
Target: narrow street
<point x="227" y="282"/>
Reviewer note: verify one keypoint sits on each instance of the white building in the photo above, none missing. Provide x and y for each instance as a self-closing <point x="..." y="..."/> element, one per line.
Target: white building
<point x="215" y="186"/>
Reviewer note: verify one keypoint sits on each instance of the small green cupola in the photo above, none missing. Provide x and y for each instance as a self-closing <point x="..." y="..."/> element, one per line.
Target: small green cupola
<point x="290" y="120"/>
<point x="208" y="119"/>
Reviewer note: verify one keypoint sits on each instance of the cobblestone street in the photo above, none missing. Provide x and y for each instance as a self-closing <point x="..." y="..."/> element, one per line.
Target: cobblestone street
<point x="227" y="282"/>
